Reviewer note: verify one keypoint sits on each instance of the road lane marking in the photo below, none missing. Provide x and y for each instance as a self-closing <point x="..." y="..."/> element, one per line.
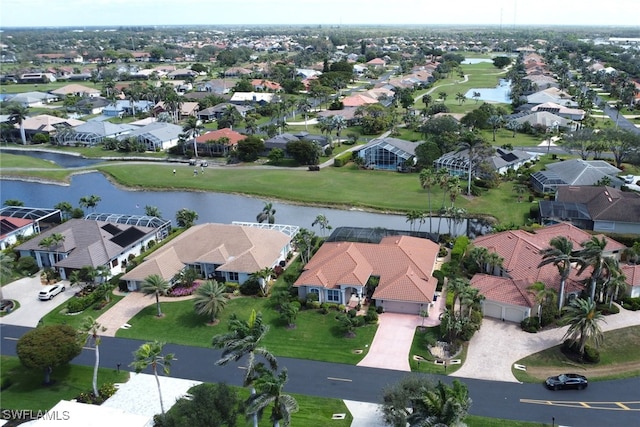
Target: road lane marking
<point x="607" y="406"/>
<point x="11" y="338"/>
<point x="346" y="380"/>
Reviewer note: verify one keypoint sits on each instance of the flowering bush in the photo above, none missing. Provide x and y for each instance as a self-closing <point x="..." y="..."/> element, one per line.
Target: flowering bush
<point x="183" y="291"/>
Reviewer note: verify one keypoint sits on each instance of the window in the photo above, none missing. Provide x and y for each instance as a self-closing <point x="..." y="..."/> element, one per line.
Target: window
<point x="233" y="276"/>
<point x="333" y="295"/>
<point x="114" y="263"/>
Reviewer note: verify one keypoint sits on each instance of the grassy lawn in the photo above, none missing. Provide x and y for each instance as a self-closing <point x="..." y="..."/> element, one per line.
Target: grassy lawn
<point x="56" y="317"/>
<point x="18" y="161"/>
<point x="316" y="336"/>
<point x="27" y="392"/>
<point x="316" y="411"/>
<point x="419" y="347"/>
<point x="618" y="359"/>
<point x="477" y="421"/>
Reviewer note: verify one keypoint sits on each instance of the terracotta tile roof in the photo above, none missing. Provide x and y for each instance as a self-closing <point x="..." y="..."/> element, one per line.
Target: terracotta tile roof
<point x="503" y="289"/>
<point x="235" y="248"/>
<point x="632" y="272"/>
<point x="358" y="100"/>
<point x="9" y="225"/>
<point x="520" y="251"/>
<point x="233" y="136"/>
<point x="404" y="264"/>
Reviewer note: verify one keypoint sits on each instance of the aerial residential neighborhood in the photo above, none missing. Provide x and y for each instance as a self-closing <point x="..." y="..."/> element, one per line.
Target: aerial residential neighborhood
<point x="348" y="214"/>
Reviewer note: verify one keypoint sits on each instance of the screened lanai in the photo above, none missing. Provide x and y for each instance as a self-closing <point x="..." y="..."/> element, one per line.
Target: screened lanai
<point x="387" y="153"/>
<point x="163" y="225"/>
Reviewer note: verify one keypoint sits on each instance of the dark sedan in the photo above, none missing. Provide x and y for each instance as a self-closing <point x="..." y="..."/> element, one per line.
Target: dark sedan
<point x="566" y="381"/>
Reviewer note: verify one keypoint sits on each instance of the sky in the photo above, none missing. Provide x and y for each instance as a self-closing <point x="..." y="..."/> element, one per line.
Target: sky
<point x="508" y="13"/>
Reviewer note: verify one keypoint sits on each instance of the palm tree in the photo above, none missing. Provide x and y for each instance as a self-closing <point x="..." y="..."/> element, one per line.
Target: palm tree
<point x="185" y="217"/>
<point x="150" y="354"/>
<point x="495" y="122"/>
<point x="460" y="98"/>
<point x="513" y="126"/>
<point x="244" y="339"/>
<point x="583" y="320"/>
<point x="269" y="389"/>
<point x="477" y="149"/>
<point x="428" y="180"/>
<point x="561" y="254"/>
<point x="592" y="255"/>
<point x="210" y="299"/>
<point x="338" y="123"/>
<point x="263" y="277"/>
<point x="268" y="214"/>
<point x="616" y="283"/>
<point x="444" y="405"/>
<point x="90" y="201"/>
<point x="152" y="211"/>
<point x="191" y="130"/>
<point x="155" y="285"/>
<point x="443" y="95"/>
<point x="543" y="296"/>
<point x="52" y="242"/>
<point x="322" y="222"/>
<point x="304" y="106"/>
<point x="90" y="330"/>
<point x="17" y="116"/>
<point x="65" y="208"/>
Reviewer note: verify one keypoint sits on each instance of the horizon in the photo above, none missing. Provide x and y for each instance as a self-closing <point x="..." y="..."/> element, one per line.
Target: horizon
<point x="507" y="14"/>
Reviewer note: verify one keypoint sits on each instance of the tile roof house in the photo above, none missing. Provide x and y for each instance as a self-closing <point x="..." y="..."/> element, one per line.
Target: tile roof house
<point x="13" y="228"/>
<point x="546" y="119"/>
<point x="632" y="273"/>
<point x="89" y="243"/>
<point x="553" y="95"/>
<point x="207" y="145"/>
<point x="32" y="99"/>
<point x="560" y="110"/>
<point x="265" y="85"/>
<point x="45" y="123"/>
<point x="506" y="294"/>
<point x="404" y="266"/>
<point x="358" y="100"/>
<point x="501" y="161"/>
<point x="251" y="98"/>
<point x="215" y="112"/>
<point x="597" y="208"/>
<point x="227" y="252"/>
<point x="94" y="132"/>
<point x="76" y="90"/>
<point x="575" y="172"/>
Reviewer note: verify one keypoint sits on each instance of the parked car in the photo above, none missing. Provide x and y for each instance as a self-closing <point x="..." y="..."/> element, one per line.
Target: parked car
<point x="566" y="381"/>
<point x="48" y="292"/>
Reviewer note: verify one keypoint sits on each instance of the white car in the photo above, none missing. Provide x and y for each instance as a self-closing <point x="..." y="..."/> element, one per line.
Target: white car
<point x="48" y="292"/>
<point x="629" y="179"/>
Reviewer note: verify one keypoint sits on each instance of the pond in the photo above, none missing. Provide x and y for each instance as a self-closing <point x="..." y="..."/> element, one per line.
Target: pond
<point x="472" y="61"/>
<point x="500" y="93"/>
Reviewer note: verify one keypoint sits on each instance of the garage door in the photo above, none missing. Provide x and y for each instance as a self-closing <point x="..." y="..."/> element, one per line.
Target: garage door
<point x="401" y="307"/>
<point x="514" y="314"/>
<point x="491" y="309"/>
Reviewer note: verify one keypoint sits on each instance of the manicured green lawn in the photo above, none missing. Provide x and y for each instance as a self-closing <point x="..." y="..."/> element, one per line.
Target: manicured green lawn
<point x="15" y="160"/>
<point x="56" y="316"/>
<point x="477" y="421"/>
<point x="618" y="359"/>
<point x="316" y="336"/>
<point x="27" y="392"/>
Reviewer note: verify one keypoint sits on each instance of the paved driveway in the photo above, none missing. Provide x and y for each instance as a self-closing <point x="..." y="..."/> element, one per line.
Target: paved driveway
<point x="31" y="310"/>
<point x="392" y="342"/>
<point x="498" y="345"/>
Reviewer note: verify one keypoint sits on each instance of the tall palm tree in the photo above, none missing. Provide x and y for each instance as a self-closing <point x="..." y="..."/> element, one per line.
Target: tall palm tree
<point x="322" y="222"/>
<point x="304" y="106"/>
<point x="616" y="283"/>
<point x="583" y="320"/>
<point x="561" y="254"/>
<point x="17" y="115"/>
<point x="210" y="299"/>
<point x="592" y="255"/>
<point x="53" y="242"/>
<point x="543" y="296"/>
<point x="338" y="123"/>
<point x="150" y="354"/>
<point x="269" y="389"/>
<point x="191" y="129"/>
<point x="90" y="330"/>
<point x="495" y="122"/>
<point x="428" y="180"/>
<point x="268" y="214"/>
<point x="477" y="149"/>
<point x="155" y="285"/>
<point x="244" y="339"/>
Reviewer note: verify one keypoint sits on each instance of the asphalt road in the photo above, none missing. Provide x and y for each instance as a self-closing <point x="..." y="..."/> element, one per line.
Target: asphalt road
<point x="605" y="403"/>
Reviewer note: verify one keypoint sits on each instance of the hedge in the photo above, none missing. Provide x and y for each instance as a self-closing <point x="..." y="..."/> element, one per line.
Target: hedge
<point x="76" y="305"/>
<point x="342" y="159"/>
<point x="459" y="247"/>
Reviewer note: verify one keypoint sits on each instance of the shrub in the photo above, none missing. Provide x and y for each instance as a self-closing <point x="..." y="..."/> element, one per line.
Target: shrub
<point x="342" y="159"/>
<point x="183" y="291"/>
<point x="27" y="265"/>
<point x="606" y="310"/>
<point x="380" y="309"/>
<point x="632" y="304"/>
<point x="371" y="316"/>
<point x="341" y="307"/>
<point x="591" y="354"/>
<point x="250" y="287"/>
<point x="231" y="287"/>
<point x="314" y="305"/>
<point x="353" y="312"/>
<point x="290" y="277"/>
<point x="359" y="321"/>
<point x="459" y="247"/>
<point x="530" y="324"/>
